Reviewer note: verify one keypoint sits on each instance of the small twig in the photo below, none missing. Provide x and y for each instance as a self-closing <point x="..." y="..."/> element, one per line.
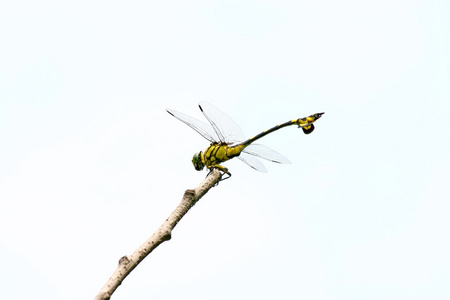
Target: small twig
<point x="128" y="263"/>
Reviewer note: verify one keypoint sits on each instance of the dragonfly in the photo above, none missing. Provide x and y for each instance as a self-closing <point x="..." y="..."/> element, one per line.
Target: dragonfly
<point x="228" y="141"/>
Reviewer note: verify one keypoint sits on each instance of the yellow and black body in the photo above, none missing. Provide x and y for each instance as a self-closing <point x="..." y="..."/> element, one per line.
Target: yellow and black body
<point x="219" y="152"/>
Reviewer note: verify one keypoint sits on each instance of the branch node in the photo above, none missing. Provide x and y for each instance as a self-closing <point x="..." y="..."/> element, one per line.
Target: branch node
<point x="189" y="193"/>
<point x="124" y="260"/>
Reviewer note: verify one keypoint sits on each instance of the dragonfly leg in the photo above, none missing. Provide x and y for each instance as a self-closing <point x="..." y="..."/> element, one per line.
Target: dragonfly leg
<point x="228" y="176"/>
<point x="221" y="168"/>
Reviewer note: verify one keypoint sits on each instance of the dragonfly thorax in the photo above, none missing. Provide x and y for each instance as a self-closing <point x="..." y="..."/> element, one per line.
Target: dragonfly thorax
<point x="215" y="154"/>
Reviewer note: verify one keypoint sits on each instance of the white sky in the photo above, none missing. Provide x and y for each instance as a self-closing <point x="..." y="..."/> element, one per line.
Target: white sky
<point x="91" y="164"/>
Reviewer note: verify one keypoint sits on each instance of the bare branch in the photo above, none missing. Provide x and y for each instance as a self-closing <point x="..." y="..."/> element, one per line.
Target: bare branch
<point x="164" y="233"/>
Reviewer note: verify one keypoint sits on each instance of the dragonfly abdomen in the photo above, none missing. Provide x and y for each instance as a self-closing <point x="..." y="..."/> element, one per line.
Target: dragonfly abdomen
<point x="266" y="132"/>
<point x="305" y="123"/>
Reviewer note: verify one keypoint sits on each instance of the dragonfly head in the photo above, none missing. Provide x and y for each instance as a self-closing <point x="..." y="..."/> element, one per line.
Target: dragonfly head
<point x="197" y="161"/>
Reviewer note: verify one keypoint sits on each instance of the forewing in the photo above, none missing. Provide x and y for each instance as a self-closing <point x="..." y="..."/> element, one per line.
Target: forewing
<point x="204" y="129"/>
<point x="252" y="162"/>
<point x="226" y="129"/>
<point x="266" y="153"/>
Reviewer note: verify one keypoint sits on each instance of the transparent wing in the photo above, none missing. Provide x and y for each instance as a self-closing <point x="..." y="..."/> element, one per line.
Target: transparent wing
<point x="252" y="162"/>
<point x="204" y="129"/>
<point x="226" y="129"/>
<point x="266" y="153"/>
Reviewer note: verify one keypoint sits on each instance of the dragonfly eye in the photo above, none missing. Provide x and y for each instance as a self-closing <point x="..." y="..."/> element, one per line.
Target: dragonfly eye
<point x="197" y="161"/>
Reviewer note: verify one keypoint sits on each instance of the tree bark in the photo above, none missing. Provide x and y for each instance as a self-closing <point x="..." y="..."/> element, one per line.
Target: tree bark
<point x="129" y="262"/>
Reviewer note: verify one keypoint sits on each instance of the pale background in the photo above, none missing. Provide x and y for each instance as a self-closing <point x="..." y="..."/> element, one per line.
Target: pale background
<point x="91" y="164"/>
